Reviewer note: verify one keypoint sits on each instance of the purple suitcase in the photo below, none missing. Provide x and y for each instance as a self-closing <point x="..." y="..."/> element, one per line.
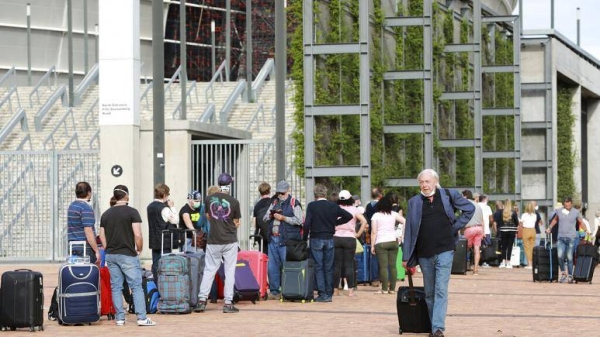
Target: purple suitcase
<point x="246" y="287"/>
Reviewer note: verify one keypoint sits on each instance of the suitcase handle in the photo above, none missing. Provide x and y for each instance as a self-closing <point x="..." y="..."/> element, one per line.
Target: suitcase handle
<point x="411" y="291"/>
<point x="260" y="239"/>
<point x="23" y="269"/>
<point x="171" y="231"/>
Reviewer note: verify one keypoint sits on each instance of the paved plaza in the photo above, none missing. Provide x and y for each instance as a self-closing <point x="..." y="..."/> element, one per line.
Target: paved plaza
<point x="497" y="302"/>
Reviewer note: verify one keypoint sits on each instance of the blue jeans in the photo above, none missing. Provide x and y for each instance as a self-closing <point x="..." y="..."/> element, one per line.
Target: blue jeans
<point x="436" y="276"/>
<point x="277" y="253"/>
<point x="322" y="251"/>
<point x="123" y="267"/>
<point x="565" y="245"/>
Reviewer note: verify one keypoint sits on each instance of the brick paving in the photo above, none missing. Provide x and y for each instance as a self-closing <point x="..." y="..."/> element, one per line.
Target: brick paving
<point x="497" y="302"/>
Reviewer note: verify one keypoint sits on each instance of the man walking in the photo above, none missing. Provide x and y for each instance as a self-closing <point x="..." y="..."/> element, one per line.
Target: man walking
<point x="223" y="213"/>
<point x="322" y="216"/>
<point x="81" y="221"/>
<point x="430" y="235"/>
<point x="121" y="235"/>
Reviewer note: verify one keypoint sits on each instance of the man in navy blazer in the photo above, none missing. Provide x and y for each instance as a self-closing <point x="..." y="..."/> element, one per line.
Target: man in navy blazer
<point x="431" y="232"/>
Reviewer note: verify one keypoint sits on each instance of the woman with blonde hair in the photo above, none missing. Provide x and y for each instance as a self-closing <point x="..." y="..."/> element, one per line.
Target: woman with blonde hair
<point x="528" y="219"/>
<point x="508" y="231"/>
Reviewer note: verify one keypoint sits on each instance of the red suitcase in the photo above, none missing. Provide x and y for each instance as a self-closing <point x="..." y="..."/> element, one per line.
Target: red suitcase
<point x="106" y="303"/>
<point x="258" y="263"/>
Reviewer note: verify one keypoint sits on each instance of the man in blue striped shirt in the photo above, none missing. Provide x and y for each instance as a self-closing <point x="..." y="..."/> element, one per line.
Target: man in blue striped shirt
<point x="81" y="222"/>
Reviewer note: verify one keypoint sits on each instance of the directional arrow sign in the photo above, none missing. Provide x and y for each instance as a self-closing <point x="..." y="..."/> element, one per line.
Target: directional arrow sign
<point x="116" y="171"/>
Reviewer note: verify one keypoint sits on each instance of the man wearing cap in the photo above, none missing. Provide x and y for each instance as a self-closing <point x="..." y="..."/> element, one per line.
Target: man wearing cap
<point x="285" y="223"/>
<point x="569" y="219"/>
<point x="322" y="216"/>
<point x="162" y="215"/>
<point x="189" y="215"/>
<point x="223" y="213"/>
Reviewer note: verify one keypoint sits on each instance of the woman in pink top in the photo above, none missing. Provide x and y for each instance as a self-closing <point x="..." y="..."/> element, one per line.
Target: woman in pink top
<point x="344" y="242"/>
<point x="385" y="241"/>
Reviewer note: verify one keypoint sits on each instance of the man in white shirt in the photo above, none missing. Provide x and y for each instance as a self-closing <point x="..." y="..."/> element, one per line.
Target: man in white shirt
<point x="487" y="220"/>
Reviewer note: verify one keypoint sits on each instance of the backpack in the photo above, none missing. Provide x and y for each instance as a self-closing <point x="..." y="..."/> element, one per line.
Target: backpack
<point x="261" y="224"/>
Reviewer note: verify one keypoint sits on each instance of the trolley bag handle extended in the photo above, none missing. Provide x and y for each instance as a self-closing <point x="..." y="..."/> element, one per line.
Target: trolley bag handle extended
<point x="411" y="290"/>
<point x="260" y="240"/>
<point x="548" y="243"/>
<point x="181" y="233"/>
<point x="79" y="259"/>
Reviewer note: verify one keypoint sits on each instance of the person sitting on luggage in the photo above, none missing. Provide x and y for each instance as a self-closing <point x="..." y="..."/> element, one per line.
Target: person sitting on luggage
<point x="285" y="223"/>
<point x="121" y="235"/>
<point x="474" y="229"/>
<point x="81" y="222"/>
<point x="223" y="213"/>
<point x="528" y="222"/>
<point x="322" y="217"/>
<point x="189" y="216"/>
<point x="385" y="242"/>
<point x="344" y="241"/>
<point x="569" y="219"/>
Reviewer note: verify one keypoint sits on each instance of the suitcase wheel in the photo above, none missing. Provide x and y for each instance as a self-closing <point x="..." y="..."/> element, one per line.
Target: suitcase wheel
<point x="400" y="331"/>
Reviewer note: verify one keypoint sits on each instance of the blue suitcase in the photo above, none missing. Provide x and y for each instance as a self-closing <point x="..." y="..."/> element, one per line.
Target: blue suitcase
<point x="363" y="263"/>
<point x="246" y="286"/>
<point x="175" y="284"/>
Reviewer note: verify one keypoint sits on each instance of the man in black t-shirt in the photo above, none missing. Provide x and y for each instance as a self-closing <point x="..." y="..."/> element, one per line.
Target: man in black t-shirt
<point x="121" y="235"/>
<point x="261" y="227"/>
<point x="189" y="215"/>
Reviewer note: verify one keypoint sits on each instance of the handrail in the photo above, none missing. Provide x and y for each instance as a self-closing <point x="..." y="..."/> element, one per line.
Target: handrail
<point x="171" y="80"/>
<point x="90" y="78"/>
<point x="218" y="74"/>
<point x="18" y="118"/>
<point x="208" y="115"/>
<point x="61" y="122"/>
<point x="17" y="217"/>
<point x="266" y="71"/>
<point x="255" y="118"/>
<point x="145" y="93"/>
<point x="16" y="182"/>
<point x="26" y="139"/>
<point x="35" y="90"/>
<point x="11" y="72"/>
<point x="74" y="138"/>
<point x="88" y="113"/>
<point x="188" y="94"/>
<point x="43" y="111"/>
<point x="95" y="138"/>
<point x="235" y="94"/>
<point x="7" y="98"/>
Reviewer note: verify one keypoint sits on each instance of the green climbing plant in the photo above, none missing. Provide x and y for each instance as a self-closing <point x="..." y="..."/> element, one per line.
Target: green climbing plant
<point x="564" y="139"/>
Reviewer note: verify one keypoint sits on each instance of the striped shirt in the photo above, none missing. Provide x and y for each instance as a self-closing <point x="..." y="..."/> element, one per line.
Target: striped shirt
<point x="80" y="215"/>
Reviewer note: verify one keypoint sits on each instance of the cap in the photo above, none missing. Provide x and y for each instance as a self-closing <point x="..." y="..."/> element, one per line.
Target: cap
<point x="194" y="195"/>
<point x="282" y="187"/>
<point x="225" y="179"/>
<point x="344" y="195"/>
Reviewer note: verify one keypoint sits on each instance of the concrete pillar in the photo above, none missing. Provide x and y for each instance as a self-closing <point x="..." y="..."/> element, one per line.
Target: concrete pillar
<point x="119" y="58"/>
<point x="576" y="111"/>
<point x="593" y="161"/>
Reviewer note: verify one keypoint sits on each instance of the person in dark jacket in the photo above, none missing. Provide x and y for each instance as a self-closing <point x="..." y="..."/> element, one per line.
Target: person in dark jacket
<point x="322" y="216"/>
<point x="162" y="215"/>
<point x="430" y="235"/>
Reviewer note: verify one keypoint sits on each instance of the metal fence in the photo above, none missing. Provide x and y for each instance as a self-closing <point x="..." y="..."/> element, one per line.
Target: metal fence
<point x="37" y="188"/>
<point x="250" y="162"/>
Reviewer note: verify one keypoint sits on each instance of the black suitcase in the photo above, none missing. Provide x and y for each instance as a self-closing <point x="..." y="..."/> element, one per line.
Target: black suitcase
<point x="22" y="300"/>
<point x="587" y="259"/>
<point x="459" y="263"/>
<point x="297" y="281"/>
<point x="545" y="262"/>
<point x="413" y="315"/>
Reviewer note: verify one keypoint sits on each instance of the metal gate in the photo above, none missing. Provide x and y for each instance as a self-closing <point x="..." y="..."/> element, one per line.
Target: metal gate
<point x="250" y="162"/>
<point x="37" y="188"/>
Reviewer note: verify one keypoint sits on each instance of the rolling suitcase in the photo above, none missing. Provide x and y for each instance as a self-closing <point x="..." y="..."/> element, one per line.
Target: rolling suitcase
<point x="587" y="259"/>
<point x="297" y="281"/>
<point x="258" y="264"/>
<point x="459" y="262"/>
<point x="78" y="290"/>
<point x="106" y="303"/>
<point x="22" y="300"/>
<point x="413" y="315"/>
<point x="515" y="255"/>
<point x="545" y="262"/>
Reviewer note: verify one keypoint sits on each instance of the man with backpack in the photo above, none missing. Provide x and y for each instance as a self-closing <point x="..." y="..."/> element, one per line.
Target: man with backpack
<point x="285" y="223"/>
<point x="261" y="227"/>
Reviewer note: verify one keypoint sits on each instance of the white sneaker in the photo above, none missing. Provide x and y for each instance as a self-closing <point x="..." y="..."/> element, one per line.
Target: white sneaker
<point x="485" y="265"/>
<point x="509" y="266"/>
<point x="528" y="267"/>
<point x="120" y="322"/>
<point x="146" y="322"/>
<point x="502" y="265"/>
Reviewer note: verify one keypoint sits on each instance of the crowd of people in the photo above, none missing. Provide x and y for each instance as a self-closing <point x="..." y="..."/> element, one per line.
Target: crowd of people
<point x="333" y="225"/>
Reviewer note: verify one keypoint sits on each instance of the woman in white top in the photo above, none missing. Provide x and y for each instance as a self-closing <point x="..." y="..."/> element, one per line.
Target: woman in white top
<point x="344" y="243"/>
<point x="527" y="221"/>
<point x="385" y="241"/>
